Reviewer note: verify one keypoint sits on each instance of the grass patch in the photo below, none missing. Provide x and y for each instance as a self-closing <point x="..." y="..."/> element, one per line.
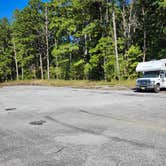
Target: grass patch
<point x="73" y="83"/>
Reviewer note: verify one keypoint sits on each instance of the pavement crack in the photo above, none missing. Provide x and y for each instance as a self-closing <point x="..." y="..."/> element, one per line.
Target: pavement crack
<point x="59" y="150"/>
<point x="123" y="119"/>
<point x="105" y="116"/>
<point x="116" y="139"/>
<point x="70" y="126"/>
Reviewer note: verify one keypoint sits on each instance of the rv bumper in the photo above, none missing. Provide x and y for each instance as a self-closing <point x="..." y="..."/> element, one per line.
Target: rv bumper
<point x="149" y="87"/>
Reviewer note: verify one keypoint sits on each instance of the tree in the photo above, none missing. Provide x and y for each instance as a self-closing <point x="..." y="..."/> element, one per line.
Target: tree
<point x="5" y="51"/>
<point x="115" y="40"/>
<point x="75" y="39"/>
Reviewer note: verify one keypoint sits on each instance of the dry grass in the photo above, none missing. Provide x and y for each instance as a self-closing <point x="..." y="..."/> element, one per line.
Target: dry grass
<point x="74" y="83"/>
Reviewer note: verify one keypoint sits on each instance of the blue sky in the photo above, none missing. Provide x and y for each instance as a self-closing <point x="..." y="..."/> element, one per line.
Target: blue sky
<point x="8" y="6"/>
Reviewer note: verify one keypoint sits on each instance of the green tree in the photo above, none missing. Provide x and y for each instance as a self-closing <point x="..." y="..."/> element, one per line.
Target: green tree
<point x="5" y="51"/>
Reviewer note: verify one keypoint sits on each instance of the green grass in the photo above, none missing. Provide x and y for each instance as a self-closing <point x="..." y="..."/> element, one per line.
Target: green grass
<point x="73" y="83"/>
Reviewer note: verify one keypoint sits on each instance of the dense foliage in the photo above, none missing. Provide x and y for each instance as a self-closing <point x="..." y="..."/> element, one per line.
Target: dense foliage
<point x="82" y="39"/>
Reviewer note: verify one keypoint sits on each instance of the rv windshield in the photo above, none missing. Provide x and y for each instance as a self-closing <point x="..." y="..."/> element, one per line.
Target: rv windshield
<point x="151" y="74"/>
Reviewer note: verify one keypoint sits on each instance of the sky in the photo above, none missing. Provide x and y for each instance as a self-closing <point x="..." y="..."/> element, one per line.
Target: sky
<point x="7" y="7"/>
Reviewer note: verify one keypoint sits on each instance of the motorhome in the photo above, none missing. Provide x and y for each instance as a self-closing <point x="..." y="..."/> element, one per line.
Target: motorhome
<point x="153" y="75"/>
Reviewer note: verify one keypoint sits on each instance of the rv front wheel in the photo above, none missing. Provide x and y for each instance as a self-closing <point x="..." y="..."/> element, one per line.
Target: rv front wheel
<point x="157" y="88"/>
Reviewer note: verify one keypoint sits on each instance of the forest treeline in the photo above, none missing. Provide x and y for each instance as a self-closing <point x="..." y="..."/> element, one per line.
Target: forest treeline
<point x="81" y="39"/>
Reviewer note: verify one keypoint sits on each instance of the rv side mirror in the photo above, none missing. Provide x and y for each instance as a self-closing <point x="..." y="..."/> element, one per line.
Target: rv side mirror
<point x="162" y="75"/>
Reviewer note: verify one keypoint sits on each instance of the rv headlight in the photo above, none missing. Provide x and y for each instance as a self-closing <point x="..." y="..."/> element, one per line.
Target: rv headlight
<point x="152" y="82"/>
<point x="138" y="82"/>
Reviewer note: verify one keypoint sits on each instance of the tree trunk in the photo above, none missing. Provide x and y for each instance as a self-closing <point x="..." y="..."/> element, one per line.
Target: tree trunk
<point x="41" y="66"/>
<point x="34" y="72"/>
<point x="125" y="28"/>
<point x="56" y="60"/>
<point x="86" y="49"/>
<point x="22" y="72"/>
<point x="15" y="58"/>
<point x="105" y="61"/>
<point x="107" y="13"/>
<point x="129" y="26"/>
<point x="57" y="65"/>
<point x="47" y="44"/>
<point x="144" y="49"/>
<point x="115" y="41"/>
<point x="70" y="61"/>
<point x="145" y="35"/>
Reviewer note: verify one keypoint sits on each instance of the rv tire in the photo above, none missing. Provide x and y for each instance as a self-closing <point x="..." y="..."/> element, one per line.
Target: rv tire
<point x="157" y="88"/>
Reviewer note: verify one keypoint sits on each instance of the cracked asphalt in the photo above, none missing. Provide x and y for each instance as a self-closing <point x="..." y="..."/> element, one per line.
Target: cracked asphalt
<point x="48" y="126"/>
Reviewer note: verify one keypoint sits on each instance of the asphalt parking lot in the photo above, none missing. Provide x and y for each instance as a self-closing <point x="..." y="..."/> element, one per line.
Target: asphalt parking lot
<point x="48" y="126"/>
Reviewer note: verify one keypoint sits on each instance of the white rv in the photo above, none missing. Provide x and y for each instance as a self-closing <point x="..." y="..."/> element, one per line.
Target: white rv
<point x="154" y="75"/>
